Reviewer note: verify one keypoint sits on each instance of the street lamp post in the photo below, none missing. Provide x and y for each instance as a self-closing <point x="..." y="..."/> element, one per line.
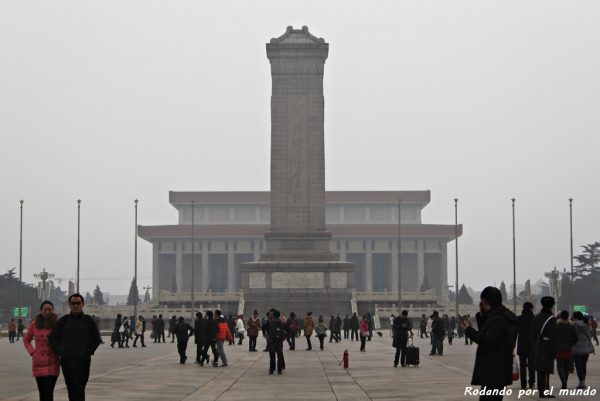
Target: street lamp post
<point x="20" y="259"/>
<point x="399" y="257"/>
<point x="571" y="293"/>
<point x="78" y="234"/>
<point x="193" y="251"/>
<point x="456" y="254"/>
<point x="135" y="288"/>
<point x="514" y="258"/>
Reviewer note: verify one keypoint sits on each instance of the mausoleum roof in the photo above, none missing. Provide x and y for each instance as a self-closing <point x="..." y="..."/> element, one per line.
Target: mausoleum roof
<point x="338" y="230"/>
<point x="177" y="198"/>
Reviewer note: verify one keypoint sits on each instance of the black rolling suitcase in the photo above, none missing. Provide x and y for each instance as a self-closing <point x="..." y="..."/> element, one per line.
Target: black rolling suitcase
<point x="412" y="354"/>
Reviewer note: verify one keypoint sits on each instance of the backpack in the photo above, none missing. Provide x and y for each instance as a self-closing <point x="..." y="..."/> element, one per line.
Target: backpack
<point x="276" y="330"/>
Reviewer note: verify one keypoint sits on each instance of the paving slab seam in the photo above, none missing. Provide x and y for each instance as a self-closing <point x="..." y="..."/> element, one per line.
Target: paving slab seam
<point x="345" y="371"/>
<point x="92" y="377"/>
<point x="223" y="372"/>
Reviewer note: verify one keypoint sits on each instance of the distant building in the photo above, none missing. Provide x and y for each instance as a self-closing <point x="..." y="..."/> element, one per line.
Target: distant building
<point x="229" y="230"/>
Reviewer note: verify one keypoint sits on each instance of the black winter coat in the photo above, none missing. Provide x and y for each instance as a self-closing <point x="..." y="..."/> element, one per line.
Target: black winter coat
<point x="199" y="331"/>
<point x="544" y="342"/>
<point x="211" y="329"/>
<point x="183" y="331"/>
<point x="354" y="323"/>
<point x="495" y="340"/>
<point x="524" y="323"/>
<point x="566" y="336"/>
<point x="75" y="336"/>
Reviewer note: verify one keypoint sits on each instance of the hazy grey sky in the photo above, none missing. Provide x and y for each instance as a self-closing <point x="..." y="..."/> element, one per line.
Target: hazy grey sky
<point x="480" y="100"/>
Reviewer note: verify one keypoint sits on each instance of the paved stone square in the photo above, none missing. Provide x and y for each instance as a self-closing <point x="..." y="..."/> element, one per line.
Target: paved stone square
<point x="154" y="373"/>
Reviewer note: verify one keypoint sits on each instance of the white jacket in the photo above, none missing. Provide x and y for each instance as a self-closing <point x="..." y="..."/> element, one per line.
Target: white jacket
<point x="239" y="324"/>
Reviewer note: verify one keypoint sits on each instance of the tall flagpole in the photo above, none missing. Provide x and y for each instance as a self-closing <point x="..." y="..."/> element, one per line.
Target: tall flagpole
<point x="20" y="259"/>
<point x="514" y="259"/>
<point x="193" y="251"/>
<point x="135" y="257"/>
<point x="78" y="236"/>
<point x="399" y="257"/>
<point x="456" y="254"/>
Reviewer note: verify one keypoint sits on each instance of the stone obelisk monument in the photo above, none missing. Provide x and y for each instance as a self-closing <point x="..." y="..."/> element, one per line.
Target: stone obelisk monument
<point x="297" y="271"/>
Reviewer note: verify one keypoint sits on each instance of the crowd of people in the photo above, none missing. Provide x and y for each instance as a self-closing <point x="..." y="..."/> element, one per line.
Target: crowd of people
<point x="538" y="341"/>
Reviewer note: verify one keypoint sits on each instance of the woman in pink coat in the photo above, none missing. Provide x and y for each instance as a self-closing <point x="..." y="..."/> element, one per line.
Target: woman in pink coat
<point x="46" y="366"/>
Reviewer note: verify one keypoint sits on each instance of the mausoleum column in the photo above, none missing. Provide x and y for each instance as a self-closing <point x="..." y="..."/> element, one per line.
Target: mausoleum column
<point x="420" y="263"/>
<point x="179" y="266"/>
<point x="230" y="267"/>
<point x="155" y="270"/>
<point x="204" y="267"/>
<point x="369" y="266"/>
<point x="395" y="265"/>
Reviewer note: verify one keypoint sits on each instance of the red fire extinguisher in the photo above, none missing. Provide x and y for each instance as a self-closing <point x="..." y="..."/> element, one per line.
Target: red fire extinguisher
<point x="346" y="359"/>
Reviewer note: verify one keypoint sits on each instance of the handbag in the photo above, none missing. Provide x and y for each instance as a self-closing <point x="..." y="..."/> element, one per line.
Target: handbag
<point x="515" y="370"/>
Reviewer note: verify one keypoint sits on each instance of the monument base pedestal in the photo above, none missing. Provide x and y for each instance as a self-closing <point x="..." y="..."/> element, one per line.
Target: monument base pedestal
<point x="298" y="286"/>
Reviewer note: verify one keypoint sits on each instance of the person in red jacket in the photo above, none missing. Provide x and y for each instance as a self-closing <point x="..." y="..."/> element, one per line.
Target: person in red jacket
<point x="222" y="334"/>
<point x="45" y="364"/>
<point x="12" y="330"/>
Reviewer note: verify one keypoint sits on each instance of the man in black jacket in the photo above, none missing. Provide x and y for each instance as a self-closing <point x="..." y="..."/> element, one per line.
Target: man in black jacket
<point x="495" y="343"/>
<point x="276" y="335"/>
<point x="437" y="334"/>
<point x="543" y="340"/>
<point x="75" y="339"/>
<point x="401" y="330"/>
<point x="524" y="323"/>
<point x="199" y="338"/>
<point x="354" y="324"/>
<point x="182" y="331"/>
<point x="346" y="327"/>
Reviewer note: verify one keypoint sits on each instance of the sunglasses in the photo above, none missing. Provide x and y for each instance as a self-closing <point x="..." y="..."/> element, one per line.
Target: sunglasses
<point x="75" y="303"/>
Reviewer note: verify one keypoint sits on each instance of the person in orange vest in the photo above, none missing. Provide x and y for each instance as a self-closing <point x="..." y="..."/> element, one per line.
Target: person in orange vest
<point x="221" y="336"/>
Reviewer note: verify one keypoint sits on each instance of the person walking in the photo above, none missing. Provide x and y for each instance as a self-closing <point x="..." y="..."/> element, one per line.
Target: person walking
<point x="371" y="323"/>
<point x="401" y="330"/>
<point x="451" y="330"/>
<point x="495" y="343"/>
<point x="277" y="334"/>
<point x="354" y="325"/>
<point x="160" y="328"/>
<point x="309" y="326"/>
<point x="210" y="332"/>
<point x="20" y="329"/>
<point x="199" y="337"/>
<point x="543" y="338"/>
<point x="240" y="329"/>
<point x="253" y="330"/>
<point x="140" y="327"/>
<point x="594" y="327"/>
<point x="45" y="363"/>
<point x="566" y="337"/>
<point x="223" y="334"/>
<point x="182" y="331"/>
<point x="428" y="328"/>
<point x="115" y="336"/>
<point x="332" y="328"/>
<point x="75" y="338"/>
<point x="346" y="327"/>
<point x="423" y="326"/>
<point x="321" y="331"/>
<point x="364" y="332"/>
<point x="171" y="329"/>
<point x="583" y="348"/>
<point x="524" y="324"/>
<point x="124" y="331"/>
<point x="153" y="332"/>
<point x="12" y="330"/>
<point x="292" y="330"/>
<point x="437" y="334"/>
